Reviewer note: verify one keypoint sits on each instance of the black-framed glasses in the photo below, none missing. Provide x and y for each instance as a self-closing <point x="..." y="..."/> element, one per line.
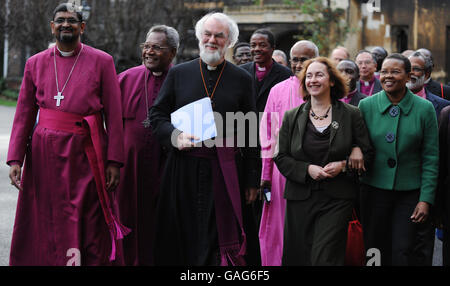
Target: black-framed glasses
<point x="156" y="48"/>
<point x="417" y="69"/>
<point x="297" y="60"/>
<point x="71" y="21"/>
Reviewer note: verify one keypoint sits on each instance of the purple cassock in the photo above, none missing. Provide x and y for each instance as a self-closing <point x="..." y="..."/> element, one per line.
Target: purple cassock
<point x="283" y="96"/>
<point x="140" y="177"/>
<point x="59" y="220"/>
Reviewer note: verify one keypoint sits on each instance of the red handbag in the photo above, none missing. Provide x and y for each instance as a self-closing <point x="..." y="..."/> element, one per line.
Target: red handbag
<point x="355" y="253"/>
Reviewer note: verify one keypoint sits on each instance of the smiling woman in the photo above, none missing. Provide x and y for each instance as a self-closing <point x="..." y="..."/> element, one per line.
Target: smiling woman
<point x="315" y="141"/>
<point x="398" y="190"/>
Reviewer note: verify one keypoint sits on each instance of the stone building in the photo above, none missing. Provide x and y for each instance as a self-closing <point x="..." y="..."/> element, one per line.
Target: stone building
<point x="395" y="25"/>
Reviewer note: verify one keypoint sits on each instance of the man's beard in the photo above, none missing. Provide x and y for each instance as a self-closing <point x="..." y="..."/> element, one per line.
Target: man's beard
<point x="211" y="58"/>
<point x="418" y="83"/>
<point x="66" y="38"/>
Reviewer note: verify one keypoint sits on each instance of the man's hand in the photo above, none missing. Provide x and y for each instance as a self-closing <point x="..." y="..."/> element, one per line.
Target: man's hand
<point x="112" y="177"/>
<point x="421" y="212"/>
<point x="15" y="174"/>
<point x="317" y="173"/>
<point x="250" y="195"/>
<point x="185" y="141"/>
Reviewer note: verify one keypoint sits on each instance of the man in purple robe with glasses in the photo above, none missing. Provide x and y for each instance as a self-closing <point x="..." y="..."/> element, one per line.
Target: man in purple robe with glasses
<point x="141" y="175"/>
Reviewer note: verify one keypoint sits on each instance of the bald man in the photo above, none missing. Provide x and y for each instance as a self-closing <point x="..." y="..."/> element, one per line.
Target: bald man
<point x="339" y="54"/>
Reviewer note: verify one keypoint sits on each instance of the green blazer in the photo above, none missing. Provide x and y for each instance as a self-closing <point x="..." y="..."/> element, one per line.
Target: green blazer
<point x="347" y="130"/>
<point x="406" y="144"/>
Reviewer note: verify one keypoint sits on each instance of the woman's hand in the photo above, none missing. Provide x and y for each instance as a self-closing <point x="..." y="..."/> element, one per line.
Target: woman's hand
<point x="421" y="212"/>
<point x="317" y="173"/>
<point x="334" y="168"/>
<point x="356" y="160"/>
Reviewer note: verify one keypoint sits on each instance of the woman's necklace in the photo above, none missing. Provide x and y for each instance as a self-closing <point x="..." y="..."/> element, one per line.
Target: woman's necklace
<point x="318" y="117"/>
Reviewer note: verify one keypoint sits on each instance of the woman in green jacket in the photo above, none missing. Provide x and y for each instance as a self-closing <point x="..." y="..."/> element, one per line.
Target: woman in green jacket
<point x="398" y="189"/>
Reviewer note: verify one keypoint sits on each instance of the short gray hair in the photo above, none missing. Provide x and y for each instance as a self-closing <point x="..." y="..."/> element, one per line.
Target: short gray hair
<point x="428" y="63"/>
<point x="173" y="39"/>
<point x="233" y="30"/>
<point x="280" y="53"/>
<point x="307" y="43"/>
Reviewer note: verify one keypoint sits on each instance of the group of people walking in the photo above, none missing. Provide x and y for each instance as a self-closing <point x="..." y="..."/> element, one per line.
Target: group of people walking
<point x="109" y="180"/>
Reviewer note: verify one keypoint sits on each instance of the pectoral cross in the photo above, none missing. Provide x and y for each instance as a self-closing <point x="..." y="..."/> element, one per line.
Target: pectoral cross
<point x="146" y="122"/>
<point x="58" y="98"/>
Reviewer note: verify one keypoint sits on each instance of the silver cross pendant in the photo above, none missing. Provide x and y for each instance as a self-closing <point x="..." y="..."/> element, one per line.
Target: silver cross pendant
<point x="146" y="123"/>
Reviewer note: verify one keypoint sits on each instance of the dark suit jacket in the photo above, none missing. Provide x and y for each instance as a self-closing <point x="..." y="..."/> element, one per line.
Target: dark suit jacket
<point x="438" y="103"/>
<point x="357" y="98"/>
<point x="347" y="129"/>
<point x="435" y="88"/>
<point x="277" y="74"/>
<point x="442" y="205"/>
<point x="376" y="88"/>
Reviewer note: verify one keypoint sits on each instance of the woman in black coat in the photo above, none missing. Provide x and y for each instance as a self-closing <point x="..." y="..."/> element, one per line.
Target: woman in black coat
<point x="315" y="141"/>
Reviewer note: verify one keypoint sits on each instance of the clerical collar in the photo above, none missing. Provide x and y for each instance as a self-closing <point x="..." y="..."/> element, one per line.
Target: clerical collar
<point x="211" y="68"/>
<point x="66" y="54"/>
<point x="367" y="83"/>
<point x="157" y="73"/>
<point x="71" y="53"/>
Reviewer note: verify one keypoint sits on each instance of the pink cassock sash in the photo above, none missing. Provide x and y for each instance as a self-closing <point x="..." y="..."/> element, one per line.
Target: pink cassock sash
<point x="91" y="126"/>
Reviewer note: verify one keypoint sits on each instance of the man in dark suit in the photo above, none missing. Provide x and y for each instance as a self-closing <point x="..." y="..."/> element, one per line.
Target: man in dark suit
<point x="264" y="70"/>
<point x="424" y="246"/>
<point x="265" y="73"/>
<point x="351" y="71"/>
<point x="431" y="85"/>
<point x="442" y="194"/>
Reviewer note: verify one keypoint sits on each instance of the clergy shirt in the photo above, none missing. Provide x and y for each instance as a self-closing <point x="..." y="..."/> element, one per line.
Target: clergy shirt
<point x="349" y="97"/>
<point x="367" y="86"/>
<point x="422" y="93"/>
<point x="93" y="87"/>
<point x="261" y="72"/>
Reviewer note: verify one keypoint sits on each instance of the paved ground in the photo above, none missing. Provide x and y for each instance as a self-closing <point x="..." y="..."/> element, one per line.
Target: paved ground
<point x="8" y="194"/>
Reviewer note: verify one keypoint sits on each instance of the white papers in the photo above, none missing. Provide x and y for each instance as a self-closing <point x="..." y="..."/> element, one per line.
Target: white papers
<point x="196" y="118"/>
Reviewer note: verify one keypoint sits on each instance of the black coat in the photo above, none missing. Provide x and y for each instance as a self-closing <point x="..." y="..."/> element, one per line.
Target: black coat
<point x="435" y="88"/>
<point x="277" y="74"/>
<point x="357" y="98"/>
<point x="348" y="129"/>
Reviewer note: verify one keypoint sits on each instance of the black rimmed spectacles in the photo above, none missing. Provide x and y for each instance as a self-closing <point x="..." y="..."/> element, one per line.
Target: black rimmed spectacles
<point x="156" y="48"/>
<point x="71" y="21"/>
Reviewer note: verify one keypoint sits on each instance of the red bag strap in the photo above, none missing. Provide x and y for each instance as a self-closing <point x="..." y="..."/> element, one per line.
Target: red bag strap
<point x="442" y="90"/>
<point x="354" y="216"/>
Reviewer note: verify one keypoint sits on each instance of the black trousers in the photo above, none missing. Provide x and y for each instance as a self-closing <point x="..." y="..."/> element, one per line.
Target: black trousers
<point x="387" y="225"/>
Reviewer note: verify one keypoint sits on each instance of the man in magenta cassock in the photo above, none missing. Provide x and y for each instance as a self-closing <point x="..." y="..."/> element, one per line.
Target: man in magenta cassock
<point x="71" y="163"/>
<point x="140" y="178"/>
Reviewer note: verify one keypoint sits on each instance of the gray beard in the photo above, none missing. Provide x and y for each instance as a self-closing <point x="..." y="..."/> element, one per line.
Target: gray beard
<point x="417" y="85"/>
<point x="212" y="59"/>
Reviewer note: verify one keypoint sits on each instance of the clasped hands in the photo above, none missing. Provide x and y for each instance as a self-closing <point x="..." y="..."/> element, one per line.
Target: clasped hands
<point x="332" y="169"/>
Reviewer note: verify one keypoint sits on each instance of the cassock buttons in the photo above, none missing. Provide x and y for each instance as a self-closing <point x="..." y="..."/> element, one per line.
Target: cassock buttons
<point x="394" y="111"/>
<point x="391" y="163"/>
<point x="390" y="137"/>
